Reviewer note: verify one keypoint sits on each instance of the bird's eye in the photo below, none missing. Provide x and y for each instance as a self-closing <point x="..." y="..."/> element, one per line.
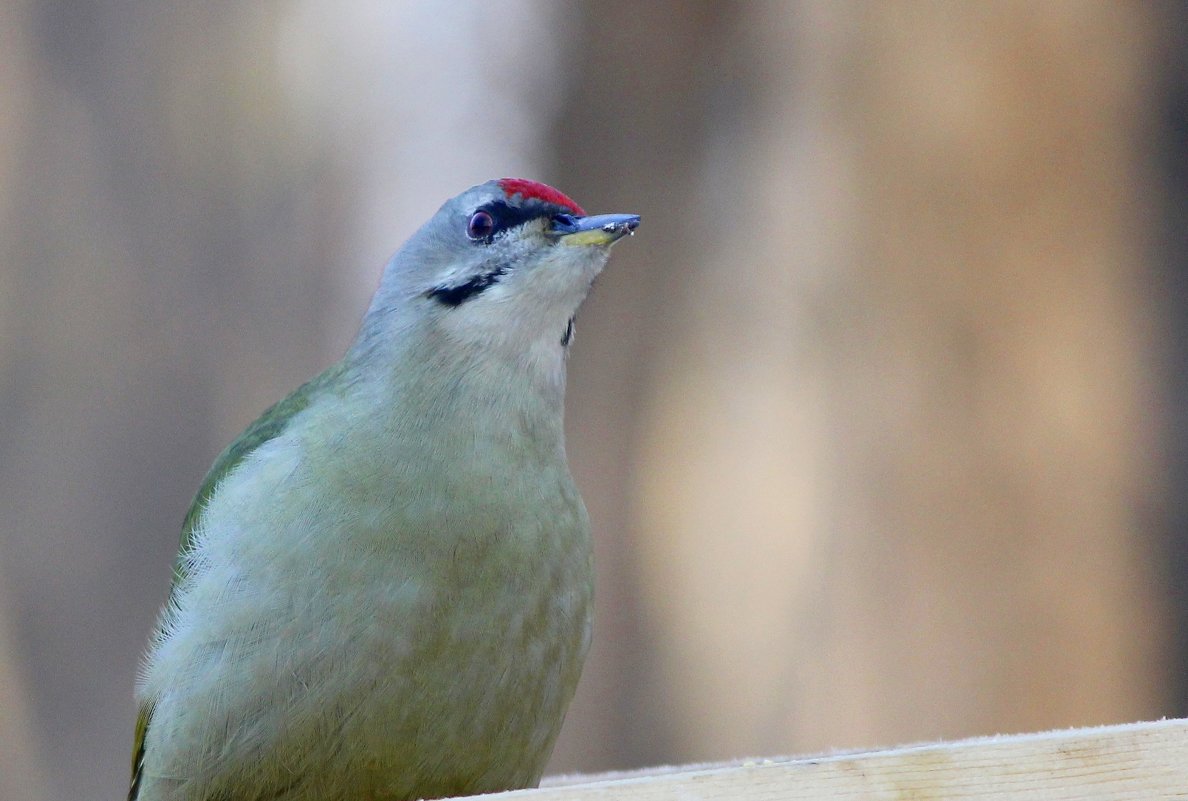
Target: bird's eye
<point x="564" y="222"/>
<point x="481" y="226"/>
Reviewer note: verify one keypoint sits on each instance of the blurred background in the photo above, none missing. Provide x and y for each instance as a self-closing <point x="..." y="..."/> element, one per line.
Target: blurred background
<point x="880" y="419"/>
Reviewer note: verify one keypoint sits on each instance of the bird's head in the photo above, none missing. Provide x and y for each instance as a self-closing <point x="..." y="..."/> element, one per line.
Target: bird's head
<point x="502" y="268"/>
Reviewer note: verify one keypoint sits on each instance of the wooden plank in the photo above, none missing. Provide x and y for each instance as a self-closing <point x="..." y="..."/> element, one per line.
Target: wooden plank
<point x="1132" y="762"/>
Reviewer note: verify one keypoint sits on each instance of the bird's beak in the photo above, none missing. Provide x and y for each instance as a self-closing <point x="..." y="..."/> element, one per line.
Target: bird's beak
<point x="600" y="229"/>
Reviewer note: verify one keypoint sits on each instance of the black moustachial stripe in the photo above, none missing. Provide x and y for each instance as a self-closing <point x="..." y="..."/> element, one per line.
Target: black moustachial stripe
<point x="457" y="295"/>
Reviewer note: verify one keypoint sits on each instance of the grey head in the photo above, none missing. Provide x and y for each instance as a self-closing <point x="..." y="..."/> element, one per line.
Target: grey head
<point x="501" y="268"/>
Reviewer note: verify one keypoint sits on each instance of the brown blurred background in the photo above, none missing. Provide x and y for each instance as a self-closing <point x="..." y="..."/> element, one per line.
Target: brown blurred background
<point x="880" y="419"/>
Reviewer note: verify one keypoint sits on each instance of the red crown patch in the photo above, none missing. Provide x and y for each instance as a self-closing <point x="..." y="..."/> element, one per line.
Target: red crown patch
<point x="533" y="190"/>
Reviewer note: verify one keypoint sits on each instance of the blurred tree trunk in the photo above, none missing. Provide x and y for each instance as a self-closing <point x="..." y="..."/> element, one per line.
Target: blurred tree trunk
<point x="146" y="182"/>
<point x="1169" y="183"/>
<point x="650" y="63"/>
<point x="20" y="773"/>
<point x="897" y="392"/>
<point x="990" y="564"/>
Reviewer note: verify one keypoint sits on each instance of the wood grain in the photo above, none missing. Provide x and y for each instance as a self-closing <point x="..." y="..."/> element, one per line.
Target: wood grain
<point x="1111" y="763"/>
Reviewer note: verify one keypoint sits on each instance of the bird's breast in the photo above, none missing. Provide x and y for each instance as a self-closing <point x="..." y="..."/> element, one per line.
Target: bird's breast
<point x="363" y="610"/>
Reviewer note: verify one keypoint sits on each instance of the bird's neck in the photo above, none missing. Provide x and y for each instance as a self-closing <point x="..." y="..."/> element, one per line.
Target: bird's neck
<point x="470" y="391"/>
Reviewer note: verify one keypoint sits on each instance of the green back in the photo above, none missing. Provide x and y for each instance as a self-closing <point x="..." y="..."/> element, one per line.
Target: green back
<point x="269" y="425"/>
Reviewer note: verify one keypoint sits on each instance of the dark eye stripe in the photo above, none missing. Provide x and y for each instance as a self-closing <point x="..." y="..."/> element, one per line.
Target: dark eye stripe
<point x="506" y="217"/>
<point x="459" y="294"/>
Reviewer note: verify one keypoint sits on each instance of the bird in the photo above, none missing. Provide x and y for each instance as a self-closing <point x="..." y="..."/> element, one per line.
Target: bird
<point x="384" y="587"/>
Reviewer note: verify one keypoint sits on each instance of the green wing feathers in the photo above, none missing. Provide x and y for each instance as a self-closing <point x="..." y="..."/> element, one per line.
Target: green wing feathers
<point x="268" y="426"/>
<point x="142" y="723"/>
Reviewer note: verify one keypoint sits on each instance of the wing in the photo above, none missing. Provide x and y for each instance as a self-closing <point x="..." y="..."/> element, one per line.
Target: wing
<point x="268" y="426"/>
<point x="142" y="723"/>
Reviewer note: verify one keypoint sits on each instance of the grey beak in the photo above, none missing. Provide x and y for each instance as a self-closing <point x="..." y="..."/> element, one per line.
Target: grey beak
<point x="599" y="229"/>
